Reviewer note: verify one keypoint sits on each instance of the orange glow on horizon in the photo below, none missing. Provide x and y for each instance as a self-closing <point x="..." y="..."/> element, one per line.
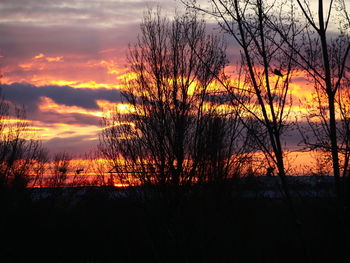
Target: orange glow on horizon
<point x="100" y="172"/>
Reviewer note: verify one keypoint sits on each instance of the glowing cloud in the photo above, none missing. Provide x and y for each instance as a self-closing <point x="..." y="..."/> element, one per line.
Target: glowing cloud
<point x="54" y="59"/>
<point x="47" y="105"/>
<point x="41" y="55"/>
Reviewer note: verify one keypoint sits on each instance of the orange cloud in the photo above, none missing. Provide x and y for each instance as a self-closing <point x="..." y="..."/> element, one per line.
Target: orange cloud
<point x="43" y="70"/>
<point x="47" y="131"/>
<point x="26" y="66"/>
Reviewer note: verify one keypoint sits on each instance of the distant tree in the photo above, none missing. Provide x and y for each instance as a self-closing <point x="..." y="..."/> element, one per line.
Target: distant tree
<point x="39" y="169"/>
<point x="60" y="168"/>
<point x="98" y="167"/>
<point x="172" y="130"/>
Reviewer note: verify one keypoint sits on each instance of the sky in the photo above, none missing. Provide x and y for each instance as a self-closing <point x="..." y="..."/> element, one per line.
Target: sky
<point x="64" y="61"/>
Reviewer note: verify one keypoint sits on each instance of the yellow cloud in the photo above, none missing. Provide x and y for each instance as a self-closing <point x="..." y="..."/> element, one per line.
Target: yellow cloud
<point x="54" y="59"/>
<point x="41" y="55"/>
<point x="76" y="84"/>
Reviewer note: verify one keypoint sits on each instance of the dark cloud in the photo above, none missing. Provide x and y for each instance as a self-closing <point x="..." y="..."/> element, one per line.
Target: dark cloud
<point x="27" y="94"/>
<point x="30" y="96"/>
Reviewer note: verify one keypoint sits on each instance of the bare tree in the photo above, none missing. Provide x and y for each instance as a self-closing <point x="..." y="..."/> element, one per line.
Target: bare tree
<point x="162" y="139"/>
<point x="265" y="72"/>
<point x="323" y="53"/>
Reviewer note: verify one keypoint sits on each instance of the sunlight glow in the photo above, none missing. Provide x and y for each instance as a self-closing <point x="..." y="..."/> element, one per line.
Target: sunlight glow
<point x="125" y="108"/>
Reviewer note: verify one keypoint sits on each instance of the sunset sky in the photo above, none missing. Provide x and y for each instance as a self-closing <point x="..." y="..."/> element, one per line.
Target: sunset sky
<point x="64" y="61"/>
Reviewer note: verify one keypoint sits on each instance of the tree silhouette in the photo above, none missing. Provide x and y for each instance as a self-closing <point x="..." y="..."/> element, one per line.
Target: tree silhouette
<point x="265" y="72"/>
<point x="172" y="126"/>
<point x="327" y="73"/>
<point x="323" y="54"/>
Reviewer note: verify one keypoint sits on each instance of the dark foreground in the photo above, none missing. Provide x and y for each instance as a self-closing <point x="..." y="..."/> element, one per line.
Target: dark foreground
<point x="210" y="223"/>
